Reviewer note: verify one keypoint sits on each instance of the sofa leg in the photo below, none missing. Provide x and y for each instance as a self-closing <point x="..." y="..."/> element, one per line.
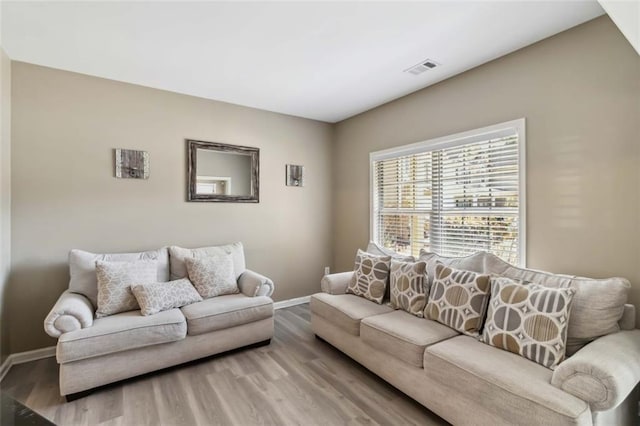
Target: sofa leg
<point x="74" y="396"/>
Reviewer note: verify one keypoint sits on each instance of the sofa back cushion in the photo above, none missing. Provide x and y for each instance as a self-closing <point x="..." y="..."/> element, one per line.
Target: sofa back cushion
<point x="82" y="268"/>
<point x="177" y="256"/>
<point x="598" y="305"/>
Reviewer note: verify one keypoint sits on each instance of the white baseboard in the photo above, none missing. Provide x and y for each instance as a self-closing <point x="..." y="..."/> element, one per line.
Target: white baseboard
<point x="22" y="357"/>
<point x="291" y="302"/>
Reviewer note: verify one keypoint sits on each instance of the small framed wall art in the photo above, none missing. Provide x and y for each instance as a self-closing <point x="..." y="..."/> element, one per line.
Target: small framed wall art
<point x="295" y="175"/>
<point x="131" y="164"/>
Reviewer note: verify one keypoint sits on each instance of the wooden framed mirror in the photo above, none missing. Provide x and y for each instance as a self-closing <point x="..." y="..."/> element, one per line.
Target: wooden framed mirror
<point x="220" y="172"/>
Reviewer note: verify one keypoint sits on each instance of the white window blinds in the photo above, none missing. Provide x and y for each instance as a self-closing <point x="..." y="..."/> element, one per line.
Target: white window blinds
<point x="454" y="197"/>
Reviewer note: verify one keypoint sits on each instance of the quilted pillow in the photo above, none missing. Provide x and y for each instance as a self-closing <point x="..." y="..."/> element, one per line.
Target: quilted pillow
<point x="157" y="297"/>
<point x="370" y="277"/>
<point x="529" y="320"/>
<point x="114" y="284"/>
<point x="408" y="291"/>
<point x="212" y="276"/>
<point x="458" y="299"/>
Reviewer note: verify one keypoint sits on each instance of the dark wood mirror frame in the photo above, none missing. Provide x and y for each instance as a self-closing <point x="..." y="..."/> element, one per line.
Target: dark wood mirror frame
<point x="192" y="159"/>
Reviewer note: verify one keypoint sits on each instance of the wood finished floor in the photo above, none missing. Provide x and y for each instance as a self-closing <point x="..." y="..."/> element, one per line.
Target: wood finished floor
<point x="296" y="380"/>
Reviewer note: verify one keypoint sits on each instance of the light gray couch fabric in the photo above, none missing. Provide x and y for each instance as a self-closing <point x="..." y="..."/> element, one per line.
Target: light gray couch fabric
<point x="120" y="332"/>
<point x="254" y="284"/>
<point x="603" y="372"/>
<point x="336" y="283"/>
<point x="403" y="335"/>
<point x="225" y="312"/>
<point x="97" y="371"/>
<point x="628" y="320"/>
<point x="457" y="406"/>
<point x="345" y="311"/>
<point x="71" y="312"/>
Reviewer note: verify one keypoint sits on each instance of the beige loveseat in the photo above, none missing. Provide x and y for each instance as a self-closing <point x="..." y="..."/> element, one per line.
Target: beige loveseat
<point x="94" y="352"/>
<point x="469" y="382"/>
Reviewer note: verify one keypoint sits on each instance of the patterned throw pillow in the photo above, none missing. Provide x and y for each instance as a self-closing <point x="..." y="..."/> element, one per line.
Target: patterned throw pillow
<point x="157" y="297"/>
<point x="114" y="284"/>
<point x="458" y="299"/>
<point x="212" y="276"/>
<point x="370" y="277"/>
<point x="529" y="320"/>
<point x="408" y="291"/>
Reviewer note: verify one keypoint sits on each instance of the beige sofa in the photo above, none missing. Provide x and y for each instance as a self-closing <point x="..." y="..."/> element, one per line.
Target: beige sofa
<point x="94" y="352"/>
<point x="468" y="382"/>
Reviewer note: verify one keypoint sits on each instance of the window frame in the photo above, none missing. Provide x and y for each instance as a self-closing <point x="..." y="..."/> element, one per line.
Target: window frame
<point x="457" y="139"/>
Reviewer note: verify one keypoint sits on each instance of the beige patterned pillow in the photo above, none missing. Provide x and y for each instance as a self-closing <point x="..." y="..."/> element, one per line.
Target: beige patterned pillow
<point x="529" y="320"/>
<point x="408" y="291"/>
<point x="114" y="284"/>
<point x="157" y="297"/>
<point x="458" y="299"/>
<point x="370" y="277"/>
<point x="212" y="276"/>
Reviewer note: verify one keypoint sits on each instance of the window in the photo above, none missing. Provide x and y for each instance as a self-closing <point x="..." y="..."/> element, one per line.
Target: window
<point x="454" y="195"/>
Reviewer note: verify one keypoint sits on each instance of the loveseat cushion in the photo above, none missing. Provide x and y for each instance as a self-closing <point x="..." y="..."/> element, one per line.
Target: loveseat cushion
<point x="402" y="335"/>
<point x="121" y="332"/>
<point x="227" y="311"/>
<point x="513" y="386"/>
<point x="345" y="310"/>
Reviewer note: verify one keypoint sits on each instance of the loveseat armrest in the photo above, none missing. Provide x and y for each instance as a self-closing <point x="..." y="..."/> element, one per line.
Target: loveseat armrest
<point x="254" y="284"/>
<point x="336" y="283"/>
<point x="603" y="372"/>
<point x="71" y="312"/>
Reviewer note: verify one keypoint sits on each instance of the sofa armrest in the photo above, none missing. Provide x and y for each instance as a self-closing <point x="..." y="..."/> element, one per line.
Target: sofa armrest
<point x="71" y="312"/>
<point x="336" y="283"/>
<point x="253" y="284"/>
<point x="603" y="372"/>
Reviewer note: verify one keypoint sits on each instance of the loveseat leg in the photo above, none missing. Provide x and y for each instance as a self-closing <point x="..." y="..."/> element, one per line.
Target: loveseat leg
<point x="74" y="396"/>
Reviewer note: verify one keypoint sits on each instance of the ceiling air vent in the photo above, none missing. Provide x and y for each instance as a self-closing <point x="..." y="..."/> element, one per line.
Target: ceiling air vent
<point x="423" y="66"/>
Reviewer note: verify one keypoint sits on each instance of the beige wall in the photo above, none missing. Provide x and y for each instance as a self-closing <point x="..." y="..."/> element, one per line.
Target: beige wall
<point x="5" y="197"/>
<point x="580" y="94"/>
<point x="65" y="127"/>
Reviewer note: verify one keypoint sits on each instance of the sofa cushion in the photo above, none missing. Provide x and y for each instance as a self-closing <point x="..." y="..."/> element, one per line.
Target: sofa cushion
<point x="402" y="335"/>
<point x="408" y="287"/>
<point x="121" y="332"/>
<point x="458" y="299"/>
<point x="158" y="297"/>
<point x="82" y="268"/>
<point x="513" y="386"/>
<point x="345" y="310"/>
<point x="226" y="311"/>
<point x="529" y="320"/>
<point x="212" y="276"/>
<point x="177" y="255"/>
<point x="114" y="284"/>
<point x="598" y="305"/>
<point x="370" y="277"/>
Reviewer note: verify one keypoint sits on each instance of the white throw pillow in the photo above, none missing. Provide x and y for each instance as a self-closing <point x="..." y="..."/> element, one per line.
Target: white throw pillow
<point x="157" y="297"/>
<point x="212" y="276"/>
<point x="82" y="268"/>
<point x="114" y="284"/>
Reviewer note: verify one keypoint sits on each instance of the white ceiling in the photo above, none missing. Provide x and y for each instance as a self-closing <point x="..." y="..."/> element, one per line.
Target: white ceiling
<point x="321" y="60"/>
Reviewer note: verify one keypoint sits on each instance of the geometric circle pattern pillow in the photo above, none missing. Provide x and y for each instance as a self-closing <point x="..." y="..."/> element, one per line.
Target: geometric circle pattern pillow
<point x="458" y="299"/>
<point x="212" y="276"/>
<point x="370" y="277"/>
<point x="407" y="281"/>
<point x="161" y="296"/>
<point x="114" y="284"/>
<point x="529" y="320"/>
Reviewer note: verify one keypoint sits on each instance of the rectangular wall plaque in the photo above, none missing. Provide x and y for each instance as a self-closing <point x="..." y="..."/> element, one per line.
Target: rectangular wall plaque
<point x="132" y="164"/>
